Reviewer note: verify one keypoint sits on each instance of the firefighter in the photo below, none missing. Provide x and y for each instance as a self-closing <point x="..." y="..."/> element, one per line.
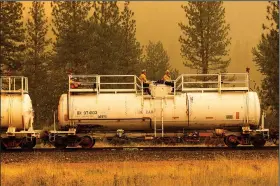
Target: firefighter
<point x="143" y="79"/>
<point x="167" y="79"/>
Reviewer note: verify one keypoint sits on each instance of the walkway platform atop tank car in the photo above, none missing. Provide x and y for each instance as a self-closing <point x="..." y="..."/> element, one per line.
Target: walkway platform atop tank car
<point x="104" y="83"/>
<point x="212" y="82"/>
<point x="184" y="83"/>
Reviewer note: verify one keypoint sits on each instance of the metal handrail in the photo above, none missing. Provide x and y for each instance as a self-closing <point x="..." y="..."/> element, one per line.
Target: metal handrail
<point x="83" y="76"/>
<point x="240" y="73"/>
<point x="116" y="75"/>
<point x="181" y="83"/>
<point x="195" y="82"/>
<point x="98" y="82"/>
<point x="117" y="83"/>
<point x="14" y="84"/>
<point x="220" y="82"/>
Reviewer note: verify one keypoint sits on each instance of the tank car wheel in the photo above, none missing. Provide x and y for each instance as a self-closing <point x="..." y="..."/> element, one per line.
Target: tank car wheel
<point x="28" y="144"/>
<point x="87" y="142"/>
<point x="60" y="142"/>
<point x="258" y="141"/>
<point x="231" y="141"/>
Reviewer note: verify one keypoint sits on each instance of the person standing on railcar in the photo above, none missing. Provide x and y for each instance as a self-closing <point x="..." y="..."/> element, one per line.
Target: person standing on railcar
<point x="143" y="78"/>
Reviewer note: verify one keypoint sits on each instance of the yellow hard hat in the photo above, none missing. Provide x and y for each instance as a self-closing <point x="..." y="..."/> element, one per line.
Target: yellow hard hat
<point x="167" y="71"/>
<point x="144" y="70"/>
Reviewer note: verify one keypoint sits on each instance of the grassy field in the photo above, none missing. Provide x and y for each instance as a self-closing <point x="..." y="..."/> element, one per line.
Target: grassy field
<point x="218" y="171"/>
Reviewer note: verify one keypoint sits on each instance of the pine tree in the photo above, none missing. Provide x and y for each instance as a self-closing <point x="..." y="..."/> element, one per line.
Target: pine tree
<point x="12" y="36"/>
<point x="156" y="60"/>
<point x="36" y="65"/>
<point x="266" y="56"/>
<point x="130" y="48"/>
<point x="70" y="28"/>
<point x="115" y="48"/>
<point x="105" y="38"/>
<point x="205" y="39"/>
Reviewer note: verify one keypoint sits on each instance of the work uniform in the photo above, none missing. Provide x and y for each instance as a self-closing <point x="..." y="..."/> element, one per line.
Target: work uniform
<point x="167" y="80"/>
<point x="143" y="78"/>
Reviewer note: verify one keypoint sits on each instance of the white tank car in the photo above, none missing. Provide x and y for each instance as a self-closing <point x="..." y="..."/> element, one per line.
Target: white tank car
<point x="198" y="102"/>
<point x="16" y="113"/>
<point x="187" y="110"/>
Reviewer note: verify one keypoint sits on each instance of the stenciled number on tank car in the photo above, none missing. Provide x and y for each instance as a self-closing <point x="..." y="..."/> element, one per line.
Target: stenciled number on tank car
<point x="92" y="112"/>
<point x="86" y="112"/>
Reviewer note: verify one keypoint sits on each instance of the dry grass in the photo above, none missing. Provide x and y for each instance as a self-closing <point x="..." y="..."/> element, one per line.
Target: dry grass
<point x="220" y="171"/>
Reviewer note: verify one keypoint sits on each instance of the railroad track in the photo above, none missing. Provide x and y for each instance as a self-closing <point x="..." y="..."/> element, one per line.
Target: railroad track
<point x="246" y="148"/>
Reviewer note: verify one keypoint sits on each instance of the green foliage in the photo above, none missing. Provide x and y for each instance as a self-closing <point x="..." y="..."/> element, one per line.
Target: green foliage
<point x="131" y="48"/>
<point x="266" y="56"/>
<point x="105" y="38"/>
<point x="113" y="45"/>
<point x="12" y="36"/>
<point x="37" y="61"/>
<point x="37" y="27"/>
<point x="204" y="38"/>
<point x="70" y="25"/>
<point x="156" y="61"/>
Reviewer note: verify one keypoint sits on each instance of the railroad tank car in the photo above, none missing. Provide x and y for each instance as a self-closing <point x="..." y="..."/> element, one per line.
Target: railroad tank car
<point x="233" y="110"/>
<point x="16" y="113"/>
<point x="188" y="110"/>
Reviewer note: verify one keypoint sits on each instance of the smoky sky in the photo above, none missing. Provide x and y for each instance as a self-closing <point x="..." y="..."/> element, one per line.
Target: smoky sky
<point x="158" y="21"/>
